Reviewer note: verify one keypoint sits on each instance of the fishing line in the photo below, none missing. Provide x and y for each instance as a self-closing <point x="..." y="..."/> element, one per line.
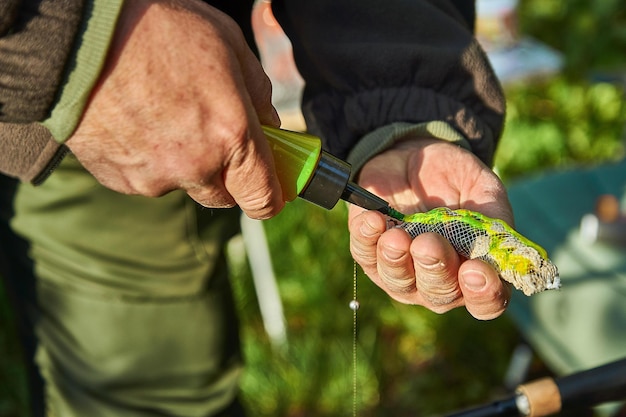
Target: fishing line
<point x="354" y="306"/>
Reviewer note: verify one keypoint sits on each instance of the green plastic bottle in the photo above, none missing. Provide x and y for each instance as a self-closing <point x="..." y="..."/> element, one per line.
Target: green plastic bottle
<point x="305" y="170"/>
<point x="296" y="156"/>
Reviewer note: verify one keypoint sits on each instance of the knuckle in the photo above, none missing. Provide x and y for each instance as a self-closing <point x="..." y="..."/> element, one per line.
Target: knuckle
<point x="365" y="230"/>
<point x="397" y="280"/>
<point x="442" y="302"/>
<point x="489" y="307"/>
<point x="398" y="285"/>
<point x="360" y="253"/>
<point x="438" y="291"/>
<point x="440" y="309"/>
<point x="261" y="206"/>
<point x="238" y="145"/>
<point x="141" y="187"/>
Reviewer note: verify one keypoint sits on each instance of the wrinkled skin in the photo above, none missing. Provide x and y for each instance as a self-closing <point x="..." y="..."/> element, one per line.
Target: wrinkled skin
<point x="417" y="175"/>
<point x="180" y="106"/>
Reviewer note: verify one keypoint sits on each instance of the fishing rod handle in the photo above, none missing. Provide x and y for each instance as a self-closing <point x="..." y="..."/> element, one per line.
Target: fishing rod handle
<point x="538" y="398"/>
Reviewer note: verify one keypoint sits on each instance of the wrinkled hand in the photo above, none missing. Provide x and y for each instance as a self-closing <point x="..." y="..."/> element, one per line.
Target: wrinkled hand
<point x="179" y="105"/>
<point x="418" y="175"/>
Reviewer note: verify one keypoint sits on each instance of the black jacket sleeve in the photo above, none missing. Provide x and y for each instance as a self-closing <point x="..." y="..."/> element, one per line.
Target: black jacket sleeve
<point x="370" y="63"/>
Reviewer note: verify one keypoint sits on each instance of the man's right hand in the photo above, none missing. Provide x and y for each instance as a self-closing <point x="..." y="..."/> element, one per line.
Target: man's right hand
<point x="179" y="105"/>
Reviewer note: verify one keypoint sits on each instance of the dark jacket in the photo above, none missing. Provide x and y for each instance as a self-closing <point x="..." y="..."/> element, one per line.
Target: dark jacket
<point x="366" y="64"/>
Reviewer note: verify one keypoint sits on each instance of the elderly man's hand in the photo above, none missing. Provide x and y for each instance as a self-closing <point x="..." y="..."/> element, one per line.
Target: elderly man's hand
<point x="180" y="105"/>
<point x="418" y="175"/>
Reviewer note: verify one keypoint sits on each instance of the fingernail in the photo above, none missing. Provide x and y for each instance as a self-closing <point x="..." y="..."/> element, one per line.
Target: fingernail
<point x="474" y="280"/>
<point x="367" y="230"/>
<point x="392" y="253"/>
<point x="427" y="261"/>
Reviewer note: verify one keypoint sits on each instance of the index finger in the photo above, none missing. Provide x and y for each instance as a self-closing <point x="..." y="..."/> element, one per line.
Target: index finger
<point x="250" y="177"/>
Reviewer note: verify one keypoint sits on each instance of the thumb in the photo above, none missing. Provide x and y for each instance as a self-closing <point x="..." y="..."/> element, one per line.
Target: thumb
<point x="486" y="295"/>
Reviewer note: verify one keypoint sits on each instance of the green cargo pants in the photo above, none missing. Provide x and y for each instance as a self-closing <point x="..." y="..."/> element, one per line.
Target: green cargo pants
<point x="135" y="314"/>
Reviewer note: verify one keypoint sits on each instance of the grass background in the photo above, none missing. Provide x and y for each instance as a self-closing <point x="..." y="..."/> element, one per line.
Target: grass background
<point x="411" y="362"/>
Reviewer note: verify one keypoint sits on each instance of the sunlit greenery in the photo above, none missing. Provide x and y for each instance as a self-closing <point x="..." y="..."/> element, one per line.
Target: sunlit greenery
<point x="559" y="123"/>
<point x="579" y="116"/>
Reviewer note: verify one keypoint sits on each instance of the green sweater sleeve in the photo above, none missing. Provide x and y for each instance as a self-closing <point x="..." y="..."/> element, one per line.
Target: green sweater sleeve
<point x="385" y="137"/>
<point x="84" y="69"/>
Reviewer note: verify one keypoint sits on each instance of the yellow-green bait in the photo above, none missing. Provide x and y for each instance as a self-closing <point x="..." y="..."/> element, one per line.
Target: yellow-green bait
<point x="518" y="260"/>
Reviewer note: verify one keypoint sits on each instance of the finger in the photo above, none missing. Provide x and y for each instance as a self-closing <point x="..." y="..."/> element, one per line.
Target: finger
<point x="259" y="88"/>
<point x="486" y="295"/>
<point x="395" y="265"/>
<point x="255" y="185"/>
<point x="366" y="227"/>
<point x="251" y="177"/>
<point x="436" y="265"/>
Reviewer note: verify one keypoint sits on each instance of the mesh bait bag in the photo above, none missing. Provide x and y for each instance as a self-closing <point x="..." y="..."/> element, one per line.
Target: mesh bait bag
<point x="518" y="260"/>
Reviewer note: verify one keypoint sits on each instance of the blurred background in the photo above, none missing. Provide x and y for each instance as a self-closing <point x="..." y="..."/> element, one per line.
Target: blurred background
<point x="563" y="66"/>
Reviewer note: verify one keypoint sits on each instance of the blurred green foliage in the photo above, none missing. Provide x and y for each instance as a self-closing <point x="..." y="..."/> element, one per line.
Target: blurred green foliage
<point x="412" y="362"/>
<point x="578" y="117"/>
<point x="590" y="34"/>
<point x="560" y="123"/>
<point x="13" y="395"/>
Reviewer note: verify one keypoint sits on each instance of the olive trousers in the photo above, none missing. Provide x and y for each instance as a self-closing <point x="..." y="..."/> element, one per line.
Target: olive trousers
<point x="124" y="301"/>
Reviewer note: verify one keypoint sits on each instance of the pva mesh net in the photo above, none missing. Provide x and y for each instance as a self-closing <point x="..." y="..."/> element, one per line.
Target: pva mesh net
<point x="475" y="236"/>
